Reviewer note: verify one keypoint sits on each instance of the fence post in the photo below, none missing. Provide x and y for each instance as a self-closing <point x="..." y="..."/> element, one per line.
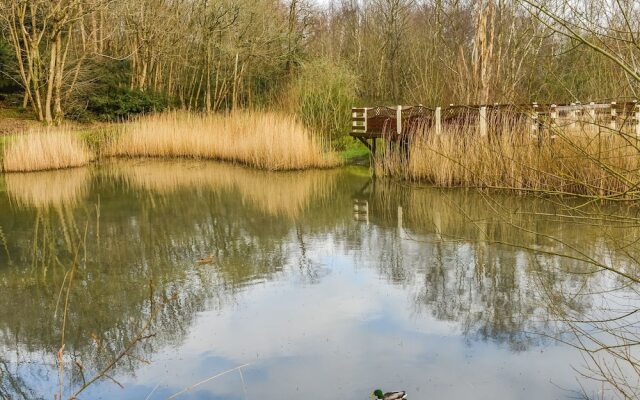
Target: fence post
<point x="534" y="116"/>
<point x="355" y="126"/>
<point x="483" y="121"/>
<point x="399" y="120"/>
<point x="614" y="114"/>
<point x="637" y="110"/>
<point x="572" y="115"/>
<point x="438" y="120"/>
<point x="592" y="112"/>
<point x="553" y="115"/>
<point x="365" y="119"/>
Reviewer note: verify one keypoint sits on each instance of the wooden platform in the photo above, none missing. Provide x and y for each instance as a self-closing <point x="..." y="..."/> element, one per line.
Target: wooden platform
<point x="395" y="124"/>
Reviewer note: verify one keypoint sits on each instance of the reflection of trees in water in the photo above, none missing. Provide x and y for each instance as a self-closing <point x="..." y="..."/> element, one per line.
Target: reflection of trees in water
<point x="156" y="235"/>
<point x="492" y="265"/>
<point x="503" y="265"/>
<point x="12" y="386"/>
<point x="456" y="253"/>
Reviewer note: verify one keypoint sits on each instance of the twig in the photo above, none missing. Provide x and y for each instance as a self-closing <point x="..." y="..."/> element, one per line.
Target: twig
<point x="152" y="392"/>
<point x="205" y="381"/>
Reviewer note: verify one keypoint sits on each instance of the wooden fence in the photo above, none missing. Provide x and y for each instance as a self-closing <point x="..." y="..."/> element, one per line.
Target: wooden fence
<point x="396" y="123"/>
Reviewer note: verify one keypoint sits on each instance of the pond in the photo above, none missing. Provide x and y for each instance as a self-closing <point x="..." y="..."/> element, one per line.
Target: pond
<point x="321" y="284"/>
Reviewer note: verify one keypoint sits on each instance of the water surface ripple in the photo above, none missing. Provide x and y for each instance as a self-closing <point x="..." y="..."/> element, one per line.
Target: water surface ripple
<point x="326" y="283"/>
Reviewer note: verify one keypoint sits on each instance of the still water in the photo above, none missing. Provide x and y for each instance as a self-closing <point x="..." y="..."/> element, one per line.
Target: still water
<point x="324" y="284"/>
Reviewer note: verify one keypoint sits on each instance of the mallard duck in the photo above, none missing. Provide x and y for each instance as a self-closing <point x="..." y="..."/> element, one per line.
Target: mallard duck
<point x="206" y="260"/>
<point x="377" y="394"/>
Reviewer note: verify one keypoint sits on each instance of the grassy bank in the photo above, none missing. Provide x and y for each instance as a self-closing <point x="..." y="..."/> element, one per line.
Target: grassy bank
<point x="591" y="162"/>
<point x="355" y="153"/>
<point x="264" y="140"/>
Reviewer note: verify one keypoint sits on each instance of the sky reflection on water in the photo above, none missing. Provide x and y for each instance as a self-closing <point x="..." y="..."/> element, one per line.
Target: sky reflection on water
<point x="319" y="303"/>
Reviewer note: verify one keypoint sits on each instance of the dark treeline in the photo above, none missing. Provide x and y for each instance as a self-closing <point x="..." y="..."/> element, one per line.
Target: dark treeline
<point x="112" y="58"/>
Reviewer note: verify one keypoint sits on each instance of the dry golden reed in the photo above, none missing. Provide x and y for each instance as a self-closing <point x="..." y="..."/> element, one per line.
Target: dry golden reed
<point x="583" y="162"/>
<point x="48" y="188"/>
<point x="285" y="194"/>
<point x="45" y="150"/>
<point x="264" y="140"/>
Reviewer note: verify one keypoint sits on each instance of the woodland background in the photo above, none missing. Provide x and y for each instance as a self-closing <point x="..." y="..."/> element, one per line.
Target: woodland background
<point x="109" y="59"/>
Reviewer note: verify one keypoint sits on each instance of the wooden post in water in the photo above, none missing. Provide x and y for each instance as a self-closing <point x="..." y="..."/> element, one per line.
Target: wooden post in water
<point x="483" y="121"/>
<point x="438" y="118"/>
<point x="399" y="219"/>
<point x="399" y="120"/>
<point x="613" y="124"/>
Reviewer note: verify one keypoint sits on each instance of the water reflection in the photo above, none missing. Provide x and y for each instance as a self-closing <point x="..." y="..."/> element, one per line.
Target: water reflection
<point x="312" y="292"/>
<point x="282" y="194"/>
<point x="482" y="262"/>
<point x="48" y="188"/>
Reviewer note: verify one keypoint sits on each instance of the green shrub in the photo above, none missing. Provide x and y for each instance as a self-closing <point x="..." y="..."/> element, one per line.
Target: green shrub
<point x="118" y="103"/>
<point x="108" y="97"/>
<point x="8" y="72"/>
<point x="322" y="95"/>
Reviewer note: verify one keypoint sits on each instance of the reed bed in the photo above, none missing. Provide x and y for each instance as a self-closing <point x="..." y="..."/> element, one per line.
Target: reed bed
<point x="280" y="194"/>
<point x="265" y="140"/>
<point x="591" y="162"/>
<point x="48" y="188"/>
<point x="45" y="150"/>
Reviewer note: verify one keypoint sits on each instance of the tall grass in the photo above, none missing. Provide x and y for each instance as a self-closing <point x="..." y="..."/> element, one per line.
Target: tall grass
<point x="264" y="140"/>
<point x="322" y="96"/>
<point x="592" y="162"/>
<point x="44" y="150"/>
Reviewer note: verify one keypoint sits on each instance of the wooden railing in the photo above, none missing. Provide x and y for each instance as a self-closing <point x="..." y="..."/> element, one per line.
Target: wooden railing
<point x="395" y="122"/>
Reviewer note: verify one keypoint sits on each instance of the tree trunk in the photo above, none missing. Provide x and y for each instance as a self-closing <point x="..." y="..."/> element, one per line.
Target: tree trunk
<point x="53" y="58"/>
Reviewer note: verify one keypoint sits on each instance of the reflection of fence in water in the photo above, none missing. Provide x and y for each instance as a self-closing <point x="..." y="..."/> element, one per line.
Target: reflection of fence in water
<point x="361" y="210"/>
<point x="502" y="267"/>
<point x="523" y="222"/>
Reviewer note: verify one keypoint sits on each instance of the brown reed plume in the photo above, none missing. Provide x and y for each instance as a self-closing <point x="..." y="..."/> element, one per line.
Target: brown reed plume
<point x="586" y="160"/>
<point x="264" y="140"/>
<point x="44" y="150"/>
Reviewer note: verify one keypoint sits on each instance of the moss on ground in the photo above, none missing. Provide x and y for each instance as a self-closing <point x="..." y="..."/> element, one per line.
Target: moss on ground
<point x="355" y="153"/>
<point x="16" y="112"/>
